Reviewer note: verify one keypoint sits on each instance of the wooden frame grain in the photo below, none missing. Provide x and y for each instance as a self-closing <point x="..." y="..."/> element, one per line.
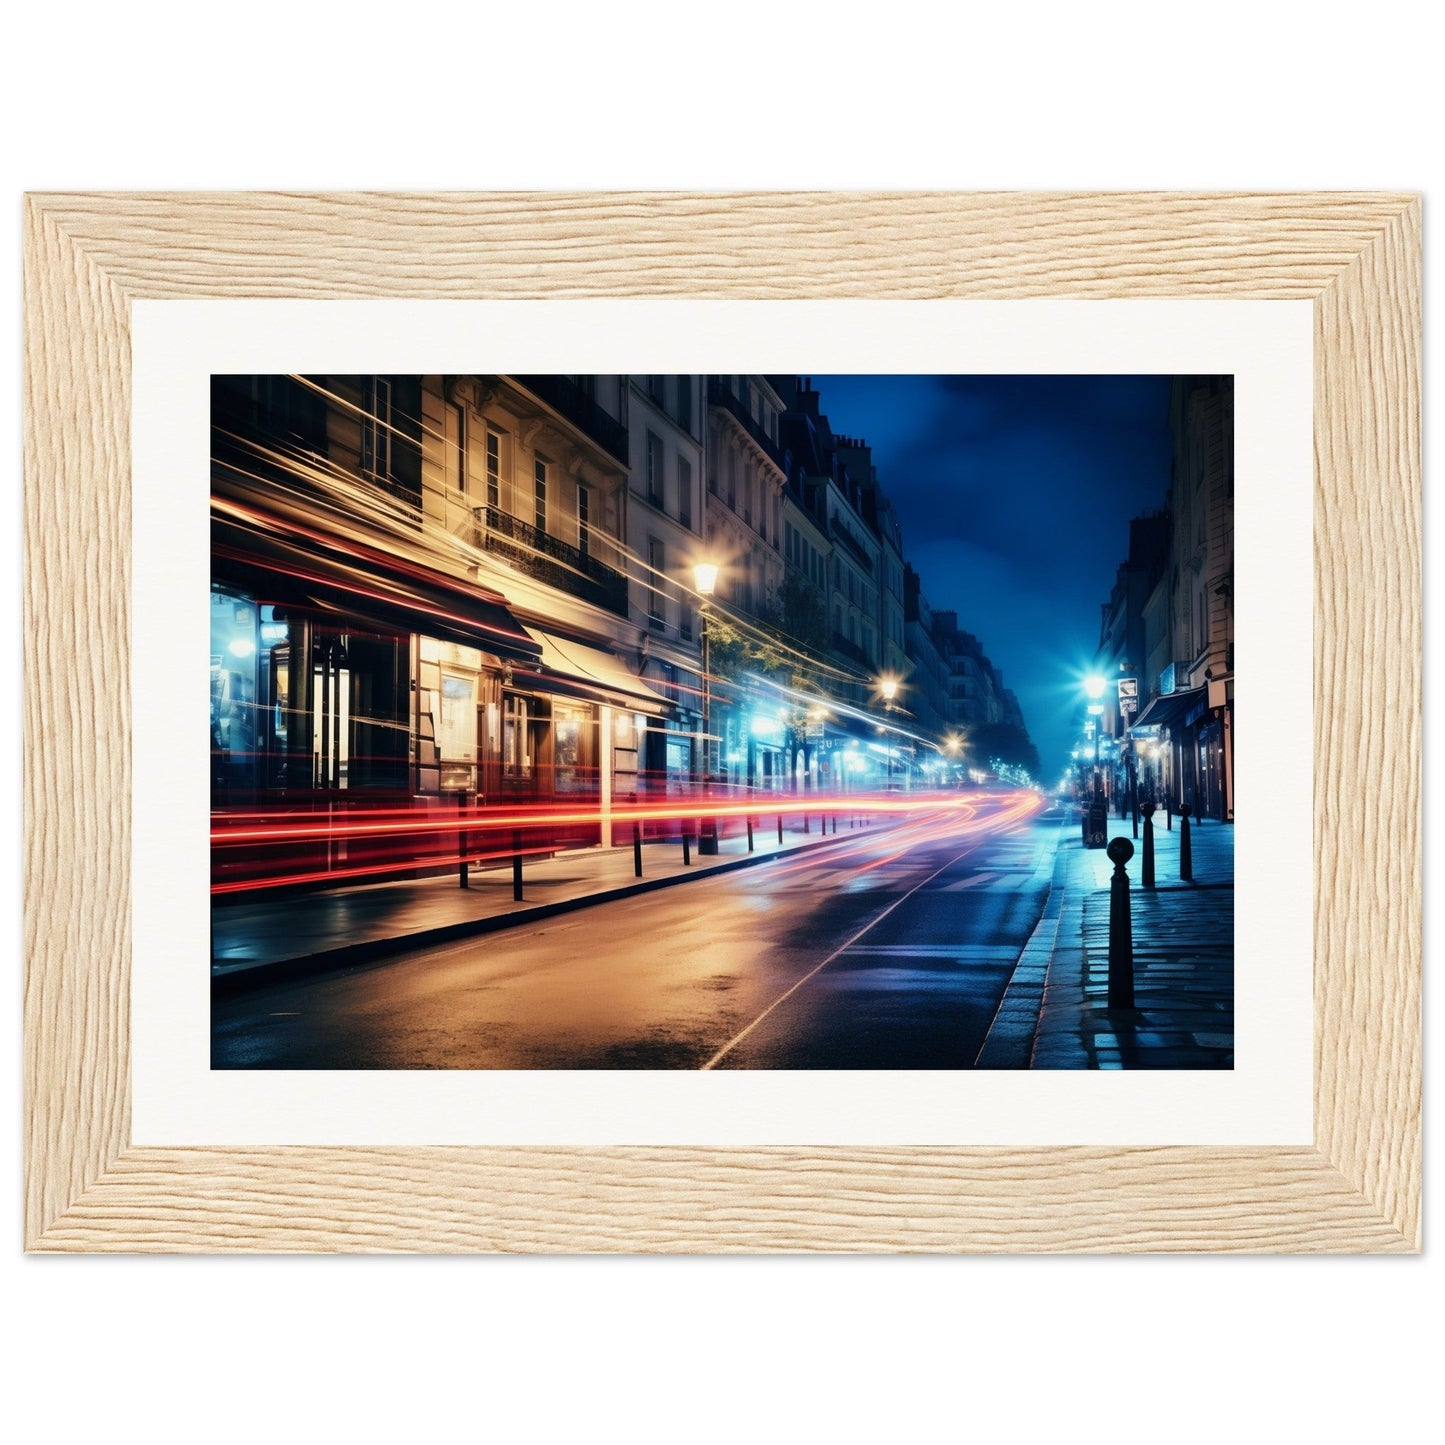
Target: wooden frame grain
<point x="1355" y="256"/>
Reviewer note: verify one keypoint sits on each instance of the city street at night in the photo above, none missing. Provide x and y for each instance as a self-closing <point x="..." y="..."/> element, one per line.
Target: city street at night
<point x="571" y="721"/>
<point x="888" y="947"/>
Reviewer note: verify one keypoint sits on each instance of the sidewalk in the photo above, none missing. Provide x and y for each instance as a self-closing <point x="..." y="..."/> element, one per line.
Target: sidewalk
<point x="1055" y="1014"/>
<point x="267" y="940"/>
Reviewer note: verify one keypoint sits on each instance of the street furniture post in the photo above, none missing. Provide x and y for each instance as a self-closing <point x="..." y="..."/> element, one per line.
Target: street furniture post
<point x="516" y="865"/>
<point x="1147" y="877"/>
<point x="780" y="830"/>
<point x="1121" y="929"/>
<point x="1186" y="851"/>
<point x="750" y="834"/>
<point x="686" y="855"/>
<point x="636" y="848"/>
<point x="462" y="881"/>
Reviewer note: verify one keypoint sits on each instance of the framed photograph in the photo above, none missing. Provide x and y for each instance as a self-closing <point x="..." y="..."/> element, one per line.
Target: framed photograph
<point x="503" y="630"/>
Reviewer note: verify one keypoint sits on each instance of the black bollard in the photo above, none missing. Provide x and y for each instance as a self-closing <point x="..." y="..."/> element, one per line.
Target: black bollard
<point x="637" y="849"/>
<point x="1168" y="815"/>
<point x="462" y="842"/>
<point x="1121" y="929"/>
<point x="516" y="865"/>
<point x="806" y="828"/>
<point x="1186" y="853"/>
<point x="686" y="855"/>
<point x="750" y="835"/>
<point x="1147" y="875"/>
<point x="780" y="830"/>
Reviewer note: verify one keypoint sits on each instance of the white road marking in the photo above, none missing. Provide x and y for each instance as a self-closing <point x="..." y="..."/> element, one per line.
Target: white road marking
<point x="728" y="1047"/>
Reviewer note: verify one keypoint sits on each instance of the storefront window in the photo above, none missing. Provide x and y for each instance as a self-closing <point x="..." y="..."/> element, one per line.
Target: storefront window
<point x="516" y="756"/>
<point x="570" y="726"/>
<point x="457" y="732"/>
<point x="234" y="647"/>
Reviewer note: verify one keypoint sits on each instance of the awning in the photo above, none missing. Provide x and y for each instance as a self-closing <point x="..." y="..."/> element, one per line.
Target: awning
<point x="582" y="671"/>
<point x="1170" y="708"/>
<point x="281" y="563"/>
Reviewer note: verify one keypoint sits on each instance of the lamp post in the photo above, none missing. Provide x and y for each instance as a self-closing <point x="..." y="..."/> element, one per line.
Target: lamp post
<point x="888" y="686"/>
<point x="705" y="575"/>
<point x="1094" y="686"/>
<point x="952" y="745"/>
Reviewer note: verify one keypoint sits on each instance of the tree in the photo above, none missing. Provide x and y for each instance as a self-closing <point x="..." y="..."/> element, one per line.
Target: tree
<point x="783" y="644"/>
<point x="1006" y="742"/>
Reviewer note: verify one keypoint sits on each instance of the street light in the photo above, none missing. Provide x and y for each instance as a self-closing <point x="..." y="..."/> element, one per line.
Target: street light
<point x="888" y="686"/>
<point x="1094" y="686"/>
<point x="952" y="746"/>
<point x="705" y="576"/>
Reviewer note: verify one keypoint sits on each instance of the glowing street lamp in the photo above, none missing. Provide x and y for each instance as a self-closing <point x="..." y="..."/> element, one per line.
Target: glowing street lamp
<point x="1094" y="685"/>
<point x="888" y="686"/>
<point x="705" y="577"/>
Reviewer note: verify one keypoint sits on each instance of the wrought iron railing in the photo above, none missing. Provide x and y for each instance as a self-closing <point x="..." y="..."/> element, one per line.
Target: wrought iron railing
<point x="719" y="393"/>
<point x="564" y="395"/>
<point x="850" y="649"/>
<point x="550" y="560"/>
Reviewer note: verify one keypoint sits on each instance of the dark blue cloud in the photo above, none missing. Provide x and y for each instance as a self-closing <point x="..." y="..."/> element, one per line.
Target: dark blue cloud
<point x="1015" y="494"/>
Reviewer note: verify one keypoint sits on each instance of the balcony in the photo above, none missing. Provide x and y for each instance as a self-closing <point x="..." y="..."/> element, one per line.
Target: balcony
<point x="720" y="394"/>
<point x="549" y="560"/>
<point x="563" y="395"/>
<point x="851" y="650"/>
<point x="842" y="533"/>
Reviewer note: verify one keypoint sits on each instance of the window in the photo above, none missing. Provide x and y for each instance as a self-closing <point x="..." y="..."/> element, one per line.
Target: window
<point x="654" y="470"/>
<point x="494" y="468"/>
<point x="584" y="520"/>
<point x="684" y="403"/>
<point x="684" y="491"/>
<point x="539" y="473"/>
<point x="655" y="614"/>
<point x="376" y="426"/>
<point x="455" y="423"/>
<point x="654" y="388"/>
<point x="516" y="752"/>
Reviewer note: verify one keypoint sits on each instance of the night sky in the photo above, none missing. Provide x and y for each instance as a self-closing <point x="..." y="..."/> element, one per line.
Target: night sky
<point x="1014" y="494"/>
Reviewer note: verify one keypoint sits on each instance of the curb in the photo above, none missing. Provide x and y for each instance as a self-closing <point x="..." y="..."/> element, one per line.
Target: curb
<point x="260" y="975"/>
<point x="1009" y="1042"/>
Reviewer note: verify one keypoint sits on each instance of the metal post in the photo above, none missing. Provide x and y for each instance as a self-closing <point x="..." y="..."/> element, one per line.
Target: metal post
<point x="805" y="823"/>
<point x="750" y="835"/>
<point x="1186" y="852"/>
<point x="1147" y="877"/>
<point x="1134" y="789"/>
<point x="516" y="865"/>
<point x="636" y="848"/>
<point x="462" y="842"/>
<point x="686" y="854"/>
<point x="1121" y="929"/>
<point x="707" y="830"/>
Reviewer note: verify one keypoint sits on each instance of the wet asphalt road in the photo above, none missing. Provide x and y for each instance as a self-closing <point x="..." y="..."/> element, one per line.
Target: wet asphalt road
<point x="887" y="950"/>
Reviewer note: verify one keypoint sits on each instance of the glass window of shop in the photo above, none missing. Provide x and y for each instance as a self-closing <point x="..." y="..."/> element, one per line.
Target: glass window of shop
<point x="574" y="727"/>
<point x="235" y="642"/>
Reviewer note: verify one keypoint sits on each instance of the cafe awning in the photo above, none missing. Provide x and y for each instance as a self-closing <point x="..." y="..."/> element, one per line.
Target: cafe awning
<point x="1169" y="709"/>
<point x="282" y="563"/>
<point x="578" y="670"/>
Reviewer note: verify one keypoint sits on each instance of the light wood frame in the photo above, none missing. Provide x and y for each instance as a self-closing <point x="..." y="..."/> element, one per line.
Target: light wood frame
<point x="1356" y="256"/>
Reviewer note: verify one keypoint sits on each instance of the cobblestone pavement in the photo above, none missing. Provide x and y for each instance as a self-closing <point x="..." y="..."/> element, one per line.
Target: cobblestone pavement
<point x="1183" y="961"/>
